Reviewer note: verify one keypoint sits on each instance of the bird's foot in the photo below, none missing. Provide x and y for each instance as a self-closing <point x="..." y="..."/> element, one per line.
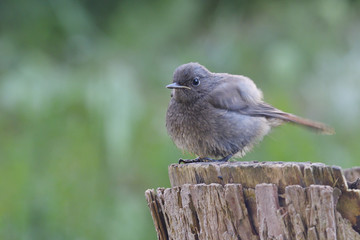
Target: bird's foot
<point x="185" y="161"/>
<point x="204" y="159"/>
<point x="225" y="159"/>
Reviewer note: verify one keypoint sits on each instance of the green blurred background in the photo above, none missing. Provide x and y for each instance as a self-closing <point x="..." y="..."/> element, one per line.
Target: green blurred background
<point x="83" y="99"/>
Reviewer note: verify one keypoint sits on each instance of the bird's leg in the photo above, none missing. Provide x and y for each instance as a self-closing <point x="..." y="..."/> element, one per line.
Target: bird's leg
<point x="198" y="159"/>
<point x="225" y="159"/>
<point x="205" y="159"/>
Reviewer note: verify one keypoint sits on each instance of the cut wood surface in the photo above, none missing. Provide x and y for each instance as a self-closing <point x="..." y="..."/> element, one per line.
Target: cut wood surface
<point x="251" y="200"/>
<point x="249" y="174"/>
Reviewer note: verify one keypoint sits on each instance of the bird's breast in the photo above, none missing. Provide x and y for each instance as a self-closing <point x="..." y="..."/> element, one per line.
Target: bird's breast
<point x="188" y="125"/>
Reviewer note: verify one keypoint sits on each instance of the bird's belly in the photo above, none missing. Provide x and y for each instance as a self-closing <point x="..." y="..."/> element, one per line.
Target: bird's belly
<point x="221" y="134"/>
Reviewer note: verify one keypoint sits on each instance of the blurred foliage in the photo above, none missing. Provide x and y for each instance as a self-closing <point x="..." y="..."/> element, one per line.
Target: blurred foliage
<point x="82" y="99"/>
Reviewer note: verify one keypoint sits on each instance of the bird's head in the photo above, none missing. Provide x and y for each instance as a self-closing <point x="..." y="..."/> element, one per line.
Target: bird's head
<point x="191" y="81"/>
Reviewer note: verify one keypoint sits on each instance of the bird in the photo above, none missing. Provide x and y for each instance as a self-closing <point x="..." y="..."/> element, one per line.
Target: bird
<point x="216" y="116"/>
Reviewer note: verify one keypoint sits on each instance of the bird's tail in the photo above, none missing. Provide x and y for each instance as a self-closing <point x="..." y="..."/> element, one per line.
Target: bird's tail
<point x="313" y="125"/>
<point x="270" y="112"/>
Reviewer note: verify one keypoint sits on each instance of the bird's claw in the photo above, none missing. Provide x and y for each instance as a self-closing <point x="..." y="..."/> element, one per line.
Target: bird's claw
<point x="204" y="159"/>
<point x="185" y="161"/>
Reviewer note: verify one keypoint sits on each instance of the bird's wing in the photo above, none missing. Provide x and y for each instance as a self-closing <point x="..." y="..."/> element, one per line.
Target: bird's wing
<point x="235" y="93"/>
<point x="240" y="94"/>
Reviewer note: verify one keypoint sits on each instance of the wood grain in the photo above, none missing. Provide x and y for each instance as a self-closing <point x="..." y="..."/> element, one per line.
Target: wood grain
<point x="255" y="201"/>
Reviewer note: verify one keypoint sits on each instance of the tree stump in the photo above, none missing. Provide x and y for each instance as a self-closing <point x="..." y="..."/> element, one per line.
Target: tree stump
<point x="257" y="200"/>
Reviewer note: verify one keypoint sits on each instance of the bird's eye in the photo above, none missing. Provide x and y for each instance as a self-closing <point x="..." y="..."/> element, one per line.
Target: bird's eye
<point x="196" y="81"/>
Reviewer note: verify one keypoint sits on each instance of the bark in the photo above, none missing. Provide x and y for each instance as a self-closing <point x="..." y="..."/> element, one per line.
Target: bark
<point x="241" y="200"/>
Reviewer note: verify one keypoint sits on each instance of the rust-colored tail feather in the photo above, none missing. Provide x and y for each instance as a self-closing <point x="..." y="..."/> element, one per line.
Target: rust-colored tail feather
<point x="317" y="126"/>
<point x="268" y="111"/>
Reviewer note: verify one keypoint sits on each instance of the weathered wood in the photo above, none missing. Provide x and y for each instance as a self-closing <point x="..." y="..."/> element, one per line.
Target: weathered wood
<point x="255" y="201"/>
<point x="154" y="200"/>
<point x="249" y="174"/>
<point x="267" y="202"/>
<point x="352" y="174"/>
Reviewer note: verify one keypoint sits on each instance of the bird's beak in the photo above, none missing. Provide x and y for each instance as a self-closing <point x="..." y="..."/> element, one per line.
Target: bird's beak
<point x="175" y="86"/>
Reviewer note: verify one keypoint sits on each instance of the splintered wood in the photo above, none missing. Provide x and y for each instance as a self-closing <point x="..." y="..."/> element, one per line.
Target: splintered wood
<point x="211" y="201"/>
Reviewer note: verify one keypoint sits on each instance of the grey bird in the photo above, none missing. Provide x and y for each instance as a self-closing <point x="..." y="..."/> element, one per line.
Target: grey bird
<point x="220" y="115"/>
